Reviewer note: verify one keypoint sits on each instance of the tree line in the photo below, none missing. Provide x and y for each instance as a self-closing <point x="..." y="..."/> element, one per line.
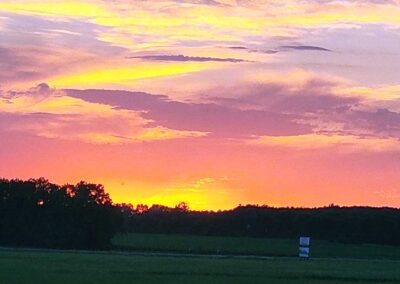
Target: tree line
<point x="333" y="223"/>
<point x="37" y="213"/>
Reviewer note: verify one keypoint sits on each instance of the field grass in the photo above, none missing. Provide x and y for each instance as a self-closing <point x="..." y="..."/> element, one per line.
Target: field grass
<point x="23" y="266"/>
<point x="253" y="246"/>
<point x="46" y="267"/>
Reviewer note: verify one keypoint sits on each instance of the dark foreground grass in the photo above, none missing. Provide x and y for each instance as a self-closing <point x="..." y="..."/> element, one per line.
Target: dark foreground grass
<point x="252" y="246"/>
<point x="30" y="267"/>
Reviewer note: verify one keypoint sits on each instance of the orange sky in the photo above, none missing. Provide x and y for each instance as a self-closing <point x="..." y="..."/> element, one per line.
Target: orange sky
<point x="215" y="103"/>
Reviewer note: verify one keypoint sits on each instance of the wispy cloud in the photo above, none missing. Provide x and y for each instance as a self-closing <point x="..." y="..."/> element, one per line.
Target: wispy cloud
<point x="304" y="48"/>
<point x="344" y="143"/>
<point x="281" y="48"/>
<point x="184" y="58"/>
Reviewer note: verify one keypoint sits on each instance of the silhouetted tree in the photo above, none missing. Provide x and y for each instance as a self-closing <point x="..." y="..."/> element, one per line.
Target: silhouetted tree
<point x="182" y="206"/>
<point x="39" y="213"/>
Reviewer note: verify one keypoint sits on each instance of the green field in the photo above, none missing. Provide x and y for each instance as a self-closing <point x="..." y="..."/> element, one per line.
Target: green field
<point x="46" y="267"/>
<point x="250" y="246"/>
<point x="374" y="264"/>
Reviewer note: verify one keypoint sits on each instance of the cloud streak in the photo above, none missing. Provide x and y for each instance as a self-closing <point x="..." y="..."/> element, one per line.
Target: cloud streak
<point x="184" y="58"/>
<point x="304" y="48"/>
<point x="283" y="48"/>
<point x="346" y="143"/>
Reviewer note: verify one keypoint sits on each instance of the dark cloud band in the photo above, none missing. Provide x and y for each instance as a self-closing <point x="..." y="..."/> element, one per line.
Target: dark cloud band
<point x="183" y="58"/>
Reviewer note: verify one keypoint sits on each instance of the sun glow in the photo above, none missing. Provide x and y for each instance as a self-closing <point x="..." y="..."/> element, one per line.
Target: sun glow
<point x="200" y="194"/>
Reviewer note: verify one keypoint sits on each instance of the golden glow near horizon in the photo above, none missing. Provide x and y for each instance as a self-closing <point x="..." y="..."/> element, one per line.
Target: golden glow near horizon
<point x="213" y="103"/>
<point x="200" y="193"/>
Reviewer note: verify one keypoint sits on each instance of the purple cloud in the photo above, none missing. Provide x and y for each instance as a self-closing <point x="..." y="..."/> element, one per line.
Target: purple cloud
<point x="269" y="109"/>
<point x="219" y="120"/>
<point x="313" y="96"/>
<point x="253" y="110"/>
<point x="380" y="121"/>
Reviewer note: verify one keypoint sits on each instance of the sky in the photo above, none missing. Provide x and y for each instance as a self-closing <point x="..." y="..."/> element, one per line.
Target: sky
<point x="211" y="102"/>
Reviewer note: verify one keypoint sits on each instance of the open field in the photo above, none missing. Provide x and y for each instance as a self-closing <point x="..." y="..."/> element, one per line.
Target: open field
<point x="375" y="264"/>
<point x="250" y="246"/>
<point x="47" y="267"/>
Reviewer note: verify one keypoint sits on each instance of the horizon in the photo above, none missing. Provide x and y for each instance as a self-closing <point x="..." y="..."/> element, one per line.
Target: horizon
<point x="214" y="103"/>
<point x="135" y="206"/>
<point x="185" y="206"/>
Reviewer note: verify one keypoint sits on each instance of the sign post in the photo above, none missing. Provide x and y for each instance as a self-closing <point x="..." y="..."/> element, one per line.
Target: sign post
<point x="304" y="247"/>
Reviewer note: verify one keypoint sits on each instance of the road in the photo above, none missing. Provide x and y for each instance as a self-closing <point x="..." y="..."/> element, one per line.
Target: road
<point x="188" y="255"/>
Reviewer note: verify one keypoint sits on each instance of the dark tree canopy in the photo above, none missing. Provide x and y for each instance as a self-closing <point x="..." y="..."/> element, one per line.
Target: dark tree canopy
<point x="38" y="213"/>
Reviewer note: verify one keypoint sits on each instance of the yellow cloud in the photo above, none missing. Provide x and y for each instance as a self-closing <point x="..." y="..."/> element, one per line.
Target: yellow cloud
<point x="160" y="19"/>
<point x="55" y="8"/>
<point x="126" y="74"/>
<point x="252" y="18"/>
<point x="388" y="92"/>
<point x="138" y="135"/>
<point x="162" y="133"/>
<point x="312" y="141"/>
<point x="56" y="102"/>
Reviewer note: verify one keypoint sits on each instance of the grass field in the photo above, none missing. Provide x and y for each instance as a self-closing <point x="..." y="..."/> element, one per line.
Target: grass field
<point x="253" y="246"/>
<point x="23" y="266"/>
<point x="46" y="267"/>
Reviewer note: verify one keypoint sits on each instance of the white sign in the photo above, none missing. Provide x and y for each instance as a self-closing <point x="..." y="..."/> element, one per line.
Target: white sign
<point x="304" y="252"/>
<point x="304" y="247"/>
<point x="304" y="241"/>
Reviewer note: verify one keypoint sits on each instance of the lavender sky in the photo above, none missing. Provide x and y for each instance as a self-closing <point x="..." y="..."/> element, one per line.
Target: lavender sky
<point x="215" y="103"/>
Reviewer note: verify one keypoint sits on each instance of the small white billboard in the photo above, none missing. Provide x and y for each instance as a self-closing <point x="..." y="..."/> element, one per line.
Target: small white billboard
<point x="304" y="252"/>
<point x="304" y="247"/>
<point x="304" y="241"/>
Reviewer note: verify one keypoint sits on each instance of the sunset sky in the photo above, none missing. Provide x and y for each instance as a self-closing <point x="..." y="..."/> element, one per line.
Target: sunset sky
<point x="215" y="103"/>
